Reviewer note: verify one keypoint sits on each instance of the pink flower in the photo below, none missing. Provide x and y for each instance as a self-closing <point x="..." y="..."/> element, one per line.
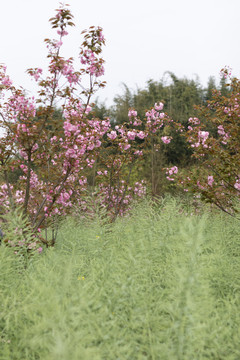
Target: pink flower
<point x="101" y="37"/>
<point x="173" y="170"/>
<point x="88" y="109"/>
<point x="98" y="143"/>
<point x="59" y="44"/>
<point x="62" y="32"/>
<point x="237" y="185"/>
<point x="127" y="146"/>
<point x="159" y="106"/>
<point x="132" y="113"/>
<point x="137" y="122"/>
<point x="69" y="127"/>
<point x="221" y="130"/>
<point x="82" y="181"/>
<point x="203" y="135"/>
<point x="210" y="180"/>
<point x="138" y="153"/>
<point x="131" y="135"/>
<point x="194" y="121"/>
<point x="24" y="128"/>
<point x="112" y="135"/>
<point x="6" y="81"/>
<point x="199" y="185"/>
<point x="35" y="147"/>
<point x="166" y="139"/>
<point x="90" y="147"/>
<point x="141" y="135"/>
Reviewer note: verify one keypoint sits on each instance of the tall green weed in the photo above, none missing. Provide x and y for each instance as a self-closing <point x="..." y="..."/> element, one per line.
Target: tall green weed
<point x="160" y="284"/>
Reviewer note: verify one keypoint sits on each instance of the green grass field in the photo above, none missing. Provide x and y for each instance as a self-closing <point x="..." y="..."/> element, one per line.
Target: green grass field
<point x="160" y="284"/>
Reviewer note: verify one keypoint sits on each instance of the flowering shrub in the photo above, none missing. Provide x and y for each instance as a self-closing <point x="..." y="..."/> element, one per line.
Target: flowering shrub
<point x="124" y="148"/>
<point x="54" y="154"/>
<point x="217" y="177"/>
<point x="51" y="157"/>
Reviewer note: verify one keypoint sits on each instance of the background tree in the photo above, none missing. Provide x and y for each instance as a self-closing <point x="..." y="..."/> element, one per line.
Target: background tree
<point x="211" y="86"/>
<point x="217" y="176"/>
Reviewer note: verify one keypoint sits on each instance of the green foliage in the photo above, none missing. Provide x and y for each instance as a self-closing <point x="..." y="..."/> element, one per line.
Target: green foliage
<point x="161" y="284"/>
<point x="179" y="97"/>
<point x="183" y="95"/>
<point x="19" y="236"/>
<point x="211" y="86"/>
<point x="100" y="110"/>
<point x="122" y="103"/>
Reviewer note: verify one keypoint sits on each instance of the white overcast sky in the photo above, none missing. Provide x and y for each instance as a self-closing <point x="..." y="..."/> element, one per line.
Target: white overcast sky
<point x="144" y="38"/>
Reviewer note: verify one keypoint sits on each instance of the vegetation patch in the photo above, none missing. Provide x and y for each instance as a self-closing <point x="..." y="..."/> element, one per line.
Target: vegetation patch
<point x="160" y="284"/>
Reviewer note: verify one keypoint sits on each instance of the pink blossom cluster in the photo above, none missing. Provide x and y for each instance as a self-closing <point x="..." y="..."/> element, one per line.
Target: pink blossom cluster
<point x="5" y="80"/>
<point x="194" y="121"/>
<point x="226" y="72"/>
<point x="237" y="184"/>
<point x="95" y="67"/>
<point x="68" y="71"/>
<point x="4" y="199"/>
<point x="171" y="172"/>
<point x="140" y="188"/>
<point x="35" y="73"/>
<point x="62" y="33"/>
<point x="222" y="133"/>
<point x="158" y="106"/>
<point x="203" y="136"/>
<point x="48" y="192"/>
<point x="19" y="108"/>
<point x="133" y="119"/>
<point x="166" y="139"/>
<point x="85" y="136"/>
<point x="210" y="180"/>
<point x="112" y="135"/>
<point x="60" y="68"/>
<point x="200" y="186"/>
<point x="201" y="139"/>
<point x="155" y="120"/>
<point x="100" y="36"/>
<point x="123" y="136"/>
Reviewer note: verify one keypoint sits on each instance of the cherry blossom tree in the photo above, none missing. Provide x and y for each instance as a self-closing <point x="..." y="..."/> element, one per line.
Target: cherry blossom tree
<point x="214" y="138"/>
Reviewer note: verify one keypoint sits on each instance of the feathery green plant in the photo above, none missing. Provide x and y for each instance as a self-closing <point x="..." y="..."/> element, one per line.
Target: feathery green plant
<point x="18" y="235"/>
<point x="159" y="284"/>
